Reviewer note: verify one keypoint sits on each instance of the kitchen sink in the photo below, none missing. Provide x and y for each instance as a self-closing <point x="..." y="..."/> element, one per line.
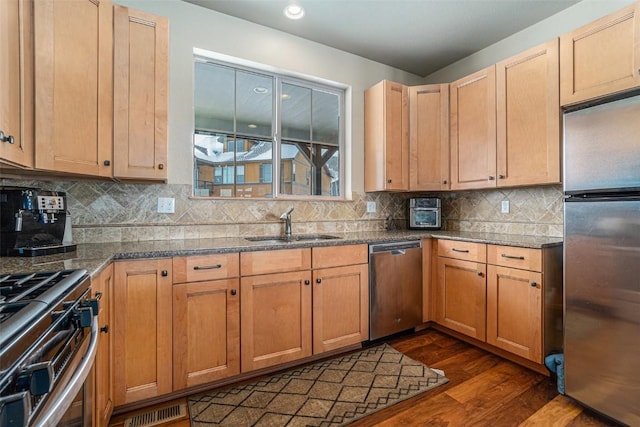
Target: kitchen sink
<point x="285" y="239"/>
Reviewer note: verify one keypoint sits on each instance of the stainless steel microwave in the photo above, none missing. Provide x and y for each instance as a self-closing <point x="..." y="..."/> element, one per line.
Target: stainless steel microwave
<point x="424" y="213"/>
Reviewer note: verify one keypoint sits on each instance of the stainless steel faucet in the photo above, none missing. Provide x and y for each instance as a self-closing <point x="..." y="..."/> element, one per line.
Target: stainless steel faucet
<point x="286" y="217"/>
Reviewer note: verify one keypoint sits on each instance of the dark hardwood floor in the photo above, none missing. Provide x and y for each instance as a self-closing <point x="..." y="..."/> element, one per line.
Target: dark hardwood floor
<point x="483" y="390"/>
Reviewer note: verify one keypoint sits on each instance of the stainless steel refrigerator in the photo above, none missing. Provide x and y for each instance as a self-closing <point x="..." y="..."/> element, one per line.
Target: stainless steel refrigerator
<point x="602" y="258"/>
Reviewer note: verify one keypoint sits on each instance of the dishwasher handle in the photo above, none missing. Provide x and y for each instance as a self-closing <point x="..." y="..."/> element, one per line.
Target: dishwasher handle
<point x="396" y="248"/>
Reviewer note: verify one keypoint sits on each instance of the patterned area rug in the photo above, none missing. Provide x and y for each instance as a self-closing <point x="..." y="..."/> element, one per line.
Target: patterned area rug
<point x="334" y="392"/>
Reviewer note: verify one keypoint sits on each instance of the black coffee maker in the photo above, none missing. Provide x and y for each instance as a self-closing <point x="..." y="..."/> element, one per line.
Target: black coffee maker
<point x="32" y="222"/>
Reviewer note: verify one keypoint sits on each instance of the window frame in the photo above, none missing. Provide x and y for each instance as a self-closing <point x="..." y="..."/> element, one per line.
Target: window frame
<point x="279" y="78"/>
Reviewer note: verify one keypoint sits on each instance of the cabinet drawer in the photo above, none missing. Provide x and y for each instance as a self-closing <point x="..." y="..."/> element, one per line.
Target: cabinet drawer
<point x="265" y="262"/>
<point x="205" y="267"/>
<point x="462" y="250"/>
<point x="514" y="257"/>
<point x="336" y="256"/>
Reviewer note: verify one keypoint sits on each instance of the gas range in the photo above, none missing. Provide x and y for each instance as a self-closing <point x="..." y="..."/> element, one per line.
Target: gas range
<point x="49" y="331"/>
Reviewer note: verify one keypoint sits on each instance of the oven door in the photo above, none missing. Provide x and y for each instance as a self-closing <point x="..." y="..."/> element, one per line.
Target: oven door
<point x="70" y="403"/>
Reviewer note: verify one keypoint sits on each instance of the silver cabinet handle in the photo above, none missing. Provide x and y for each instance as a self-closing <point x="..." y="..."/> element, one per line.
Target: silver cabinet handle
<point x="512" y="256"/>
<point x="207" y="267"/>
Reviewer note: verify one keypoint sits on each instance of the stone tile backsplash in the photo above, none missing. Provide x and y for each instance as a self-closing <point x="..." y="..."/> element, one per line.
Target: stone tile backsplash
<point x="111" y="212"/>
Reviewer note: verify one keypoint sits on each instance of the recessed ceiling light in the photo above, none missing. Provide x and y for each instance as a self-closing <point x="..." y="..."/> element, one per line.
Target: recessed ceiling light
<point x="251" y="126"/>
<point x="293" y="11"/>
<point x="260" y="90"/>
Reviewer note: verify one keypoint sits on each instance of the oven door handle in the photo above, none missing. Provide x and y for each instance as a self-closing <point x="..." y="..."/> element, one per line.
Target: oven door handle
<point x="52" y="414"/>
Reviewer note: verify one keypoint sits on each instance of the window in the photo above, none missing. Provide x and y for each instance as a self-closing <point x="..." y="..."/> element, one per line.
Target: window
<point x="265" y="135"/>
<point x="265" y="172"/>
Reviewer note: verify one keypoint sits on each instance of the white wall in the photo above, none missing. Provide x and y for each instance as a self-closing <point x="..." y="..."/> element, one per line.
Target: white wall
<point x="567" y="20"/>
<point x="193" y="26"/>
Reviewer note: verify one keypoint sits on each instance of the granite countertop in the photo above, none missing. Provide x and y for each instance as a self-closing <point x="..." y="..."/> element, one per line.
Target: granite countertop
<point x="95" y="256"/>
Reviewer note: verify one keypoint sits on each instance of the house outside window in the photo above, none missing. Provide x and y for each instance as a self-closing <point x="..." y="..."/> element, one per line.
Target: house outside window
<point x="256" y="134"/>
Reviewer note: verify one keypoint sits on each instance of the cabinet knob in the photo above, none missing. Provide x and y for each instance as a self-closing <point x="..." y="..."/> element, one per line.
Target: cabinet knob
<point x="6" y="138"/>
<point x="318" y="280"/>
<point x="534" y="284"/>
<point x="233" y="292"/>
<point x="104" y="329"/>
<point x="107" y="162"/>
<point x="160" y="166"/>
<point x="444" y="181"/>
<point x="491" y="178"/>
<point x="480" y="273"/>
<point x="500" y="176"/>
<point x="307" y="282"/>
<point x="165" y="273"/>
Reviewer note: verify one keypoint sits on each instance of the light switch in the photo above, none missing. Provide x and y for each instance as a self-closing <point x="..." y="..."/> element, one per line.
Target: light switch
<point x="505" y="206"/>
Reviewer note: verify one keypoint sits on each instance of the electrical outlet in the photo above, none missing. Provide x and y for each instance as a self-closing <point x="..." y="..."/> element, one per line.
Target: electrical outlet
<point x="166" y="205"/>
<point x="371" y="207"/>
<point x="505" y="206"/>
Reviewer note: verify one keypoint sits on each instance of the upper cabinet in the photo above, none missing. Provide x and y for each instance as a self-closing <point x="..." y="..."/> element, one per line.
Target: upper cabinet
<point x="429" y="137"/>
<point x="528" y="117"/>
<point x="601" y="58"/>
<point x="140" y="95"/>
<point x="16" y="82"/>
<point x="386" y="137"/>
<point x="473" y="130"/>
<point x="63" y="109"/>
<point x="73" y="86"/>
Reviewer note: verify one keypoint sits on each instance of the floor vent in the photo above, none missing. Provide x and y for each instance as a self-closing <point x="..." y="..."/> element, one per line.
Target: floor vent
<point x="157" y="416"/>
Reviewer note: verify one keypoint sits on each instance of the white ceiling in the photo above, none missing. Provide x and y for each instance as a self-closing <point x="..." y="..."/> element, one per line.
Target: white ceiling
<point x="418" y="36"/>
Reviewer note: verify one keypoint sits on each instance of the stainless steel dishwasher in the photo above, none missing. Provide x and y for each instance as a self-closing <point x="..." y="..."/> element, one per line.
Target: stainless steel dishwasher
<point x="395" y="287"/>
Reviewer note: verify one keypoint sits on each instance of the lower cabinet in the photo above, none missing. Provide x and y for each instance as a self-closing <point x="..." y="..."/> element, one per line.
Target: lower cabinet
<point x="142" y="327"/>
<point x="515" y="300"/>
<point x="516" y="306"/>
<point x="290" y="315"/>
<point x="275" y="318"/>
<point x="340" y="296"/>
<point x="206" y="332"/>
<point x="102" y="287"/>
<point x="206" y="319"/>
<point x="194" y="320"/>
<point x="461" y="293"/>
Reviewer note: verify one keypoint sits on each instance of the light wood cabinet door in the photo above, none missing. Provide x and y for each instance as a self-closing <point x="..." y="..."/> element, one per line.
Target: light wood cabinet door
<point x="142" y="329"/>
<point x="514" y="311"/>
<point x="103" y="285"/>
<point x="74" y="86"/>
<point x="461" y="296"/>
<point x="601" y="58"/>
<point x="429" y="137"/>
<point x="16" y="82"/>
<point x="340" y="307"/>
<point x="275" y="319"/>
<point x="206" y="332"/>
<point x="386" y="137"/>
<point x="528" y="117"/>
<point x="473" y="130"/>
<point x="141" y="44"/>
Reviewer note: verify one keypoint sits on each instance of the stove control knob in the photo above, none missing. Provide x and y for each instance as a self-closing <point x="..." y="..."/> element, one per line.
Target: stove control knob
<point x="93" y="303"/>
<point x="82" y="317"/>
<point x="37" y="378"/>
<point x="15" y="409"/>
